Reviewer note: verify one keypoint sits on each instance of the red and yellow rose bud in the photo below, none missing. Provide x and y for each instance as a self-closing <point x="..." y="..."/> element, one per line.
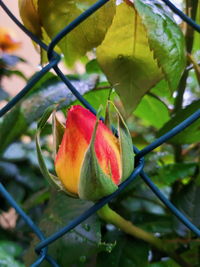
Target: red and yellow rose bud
<point x="91" y="162"/>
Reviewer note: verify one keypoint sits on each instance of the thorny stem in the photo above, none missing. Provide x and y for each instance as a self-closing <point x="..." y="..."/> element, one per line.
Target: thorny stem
<point x="109" y="215"/>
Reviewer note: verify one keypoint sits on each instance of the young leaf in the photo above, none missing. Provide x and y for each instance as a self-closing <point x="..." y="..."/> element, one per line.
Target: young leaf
<point x="142" y="46"/>
<point x="57" y="14"/>
<point x="126" y="58"/>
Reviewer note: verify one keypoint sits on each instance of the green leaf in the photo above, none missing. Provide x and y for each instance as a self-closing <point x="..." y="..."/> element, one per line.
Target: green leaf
<point x="161" y="89"/>
<point x="127" y="59"/>
<point x="165" y="39"/>
<point x="37" y="198"/>
<point x="192" y="133"/>
<point x="152" y="111"/>
<point x="6" y="260"/>
<point x="57" y="14"/>
<point x="187" y="201"/>
<point x="93" y="67"/>
<point x="12" y="248"/>
<point x="127" y="252"/>
<point x="168" y="174"/>
<point x="76" y="246"/>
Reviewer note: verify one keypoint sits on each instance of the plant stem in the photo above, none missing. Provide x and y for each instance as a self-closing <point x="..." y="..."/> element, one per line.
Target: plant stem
<point x="107" y="214"/>
<point x="191" y="8"/>
<point x="111" y="216"/>
<point x="195" y="66"/>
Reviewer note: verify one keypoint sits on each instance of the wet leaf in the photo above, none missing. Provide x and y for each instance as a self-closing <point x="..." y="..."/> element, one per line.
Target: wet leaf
<point x="165" y="39"/>
<point x="75" y="246"/>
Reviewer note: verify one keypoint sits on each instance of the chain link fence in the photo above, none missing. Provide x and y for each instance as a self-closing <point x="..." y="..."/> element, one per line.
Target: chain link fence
<point x="42" y="247"/>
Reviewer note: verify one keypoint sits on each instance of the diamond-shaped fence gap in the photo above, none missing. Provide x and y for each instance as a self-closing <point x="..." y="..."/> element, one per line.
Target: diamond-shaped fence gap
<point x="42" y="247"/>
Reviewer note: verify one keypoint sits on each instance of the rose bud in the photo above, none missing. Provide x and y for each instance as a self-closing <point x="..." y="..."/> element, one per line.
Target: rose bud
<point x="91" y="162"/>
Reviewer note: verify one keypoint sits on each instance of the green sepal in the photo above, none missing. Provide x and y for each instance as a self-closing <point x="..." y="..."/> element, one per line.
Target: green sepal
<point x="126" y="146"/>
<point x="52" y="179"/>
<point x="107" y="113"/>
<point x="94" y="183"/>
<point x="58" y="132"/>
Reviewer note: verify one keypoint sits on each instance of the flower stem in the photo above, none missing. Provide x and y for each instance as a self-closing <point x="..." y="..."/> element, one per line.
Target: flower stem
<point x="109" y="215"/>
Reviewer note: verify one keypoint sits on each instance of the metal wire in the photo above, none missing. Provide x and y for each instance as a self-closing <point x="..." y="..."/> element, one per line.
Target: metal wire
<point x="54" y="58"/>
<point x="184" y="17"/>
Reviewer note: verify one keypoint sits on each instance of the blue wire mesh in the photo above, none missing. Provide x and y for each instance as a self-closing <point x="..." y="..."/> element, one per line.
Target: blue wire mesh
<point x="42" y="247"/>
